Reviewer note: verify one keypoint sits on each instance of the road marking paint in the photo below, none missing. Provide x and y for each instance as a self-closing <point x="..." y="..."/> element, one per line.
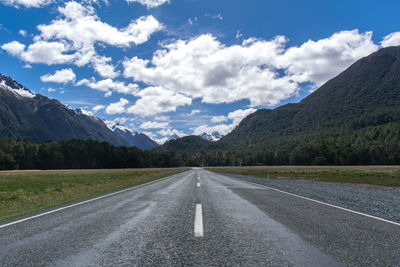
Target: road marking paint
<point x="83" y="202"/>
<point x="198" y="222"/>
<point x="319" y="202"/>
<point x="198" y="184"/>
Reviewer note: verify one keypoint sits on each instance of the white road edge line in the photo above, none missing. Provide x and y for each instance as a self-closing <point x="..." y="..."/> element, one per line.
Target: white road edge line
<point x="319" y="202"/>
<point x="83" y="202"/>
<point x="198" y="222"/>
<point x="198" y="184"/>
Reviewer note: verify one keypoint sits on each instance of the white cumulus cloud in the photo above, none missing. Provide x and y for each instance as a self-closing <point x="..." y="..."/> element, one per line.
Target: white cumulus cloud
<point x="26" y="3"/>
<point x="238" y="115"/>
<point x="82" y="27"/>
<point x="161" y="118"/>
<point x="392" y="39"/>
<point x="118" y="107"/>
<point x="319" y="61"/>
<point x="60" y="76"/>
<point x="98" y="107"/>
<point x="72" y="38"/>
<point x="170" y="131"/>
<point x="149" y="3"/>
<point x="155" y="100"/>
<point x="235" y="116"/>
<point x="109" y="85"/>
<point x="40" y="52"/>
<point x="217" y="119"/>
<point x="263" y="72"/>
<point x="14" y="48"/>
<point x="154" y="125"/>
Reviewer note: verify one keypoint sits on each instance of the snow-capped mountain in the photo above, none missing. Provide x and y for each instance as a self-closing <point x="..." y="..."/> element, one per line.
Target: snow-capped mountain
<point x="130" y="137"/>
<point x="134" y="138"/>
<point x="83" y="112"/>
<point x="24" y="114"/>
<point x="214" y="136"/>
<point x="8" y="83"/>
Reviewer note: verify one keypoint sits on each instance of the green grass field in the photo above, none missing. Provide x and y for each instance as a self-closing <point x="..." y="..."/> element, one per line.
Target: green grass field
<point x="376" y="175"/>
<point x="23" y="192"/>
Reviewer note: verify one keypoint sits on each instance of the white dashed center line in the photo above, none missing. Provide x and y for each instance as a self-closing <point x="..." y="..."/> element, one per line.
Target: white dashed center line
<point x="198" y="222"/>
<point x="198" y="184"/>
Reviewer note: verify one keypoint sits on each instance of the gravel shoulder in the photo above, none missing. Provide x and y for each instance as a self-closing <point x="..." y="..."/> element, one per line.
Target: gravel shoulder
<point x="373" y="200"/>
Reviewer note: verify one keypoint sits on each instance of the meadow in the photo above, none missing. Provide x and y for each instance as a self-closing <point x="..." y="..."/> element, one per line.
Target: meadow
<point x="28" y="191"/>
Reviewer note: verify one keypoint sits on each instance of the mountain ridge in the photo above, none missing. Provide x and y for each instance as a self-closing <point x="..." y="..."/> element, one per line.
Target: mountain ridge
<point x="339" y="123"/>
<point x="24" y="114"/>
<point x="348" y="95"/>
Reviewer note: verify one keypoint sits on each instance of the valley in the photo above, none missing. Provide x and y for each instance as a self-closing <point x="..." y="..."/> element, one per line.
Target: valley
<point x="199" y="133"/>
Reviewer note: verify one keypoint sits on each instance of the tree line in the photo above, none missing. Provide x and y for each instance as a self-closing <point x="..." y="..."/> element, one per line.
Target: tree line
<point x="75" y="154"/>
<point x="371" y="146"/>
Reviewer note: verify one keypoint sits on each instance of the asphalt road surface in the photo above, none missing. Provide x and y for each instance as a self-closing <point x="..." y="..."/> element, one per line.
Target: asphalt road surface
<point x="199" y="218"/>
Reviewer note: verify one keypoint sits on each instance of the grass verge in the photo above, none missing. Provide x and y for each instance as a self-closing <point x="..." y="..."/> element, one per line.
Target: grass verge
<point x="375" y="175"/>
<point x="23" y="192"/>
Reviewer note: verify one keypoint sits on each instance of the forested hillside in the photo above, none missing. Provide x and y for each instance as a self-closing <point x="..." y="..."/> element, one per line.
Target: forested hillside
<point x="352" y="119"/>
<point x="78" y="154"/>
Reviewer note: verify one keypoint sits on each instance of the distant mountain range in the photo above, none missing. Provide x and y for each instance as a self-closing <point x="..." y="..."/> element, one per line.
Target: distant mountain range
<point x="24" y="114"/>
<point x="352" y="119"/>
<point x="214" y="136"/>
<point x="133" y="138"/>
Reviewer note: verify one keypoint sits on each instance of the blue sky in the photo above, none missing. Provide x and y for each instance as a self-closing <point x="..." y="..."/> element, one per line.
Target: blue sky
<point x="186" y="66"/>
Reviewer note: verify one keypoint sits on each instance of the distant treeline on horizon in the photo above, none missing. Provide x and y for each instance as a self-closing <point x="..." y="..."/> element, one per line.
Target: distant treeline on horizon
<point x="89" y="154"/>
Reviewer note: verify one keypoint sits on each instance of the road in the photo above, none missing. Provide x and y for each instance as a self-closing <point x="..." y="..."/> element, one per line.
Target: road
<point x="199" y="218"/>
